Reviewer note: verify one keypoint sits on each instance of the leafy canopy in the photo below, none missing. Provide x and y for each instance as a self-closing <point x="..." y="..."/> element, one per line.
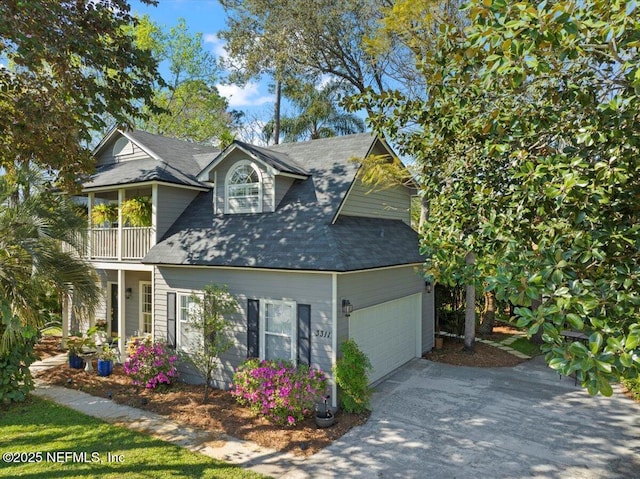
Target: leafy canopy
<point x="528" y="146"/>
<point x="66" y="67"/>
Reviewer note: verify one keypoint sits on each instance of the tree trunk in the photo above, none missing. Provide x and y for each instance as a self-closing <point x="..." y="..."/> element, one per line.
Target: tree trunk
<point x="488" y="314"/>
<point x="424" y="213"/>
<point x="470" y="309"/>
<point x="276" y="113"/>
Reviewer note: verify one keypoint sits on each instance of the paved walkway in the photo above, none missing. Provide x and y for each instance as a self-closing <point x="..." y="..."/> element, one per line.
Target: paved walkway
<point x="218" y="446"/>
<point x="434" y="420"/>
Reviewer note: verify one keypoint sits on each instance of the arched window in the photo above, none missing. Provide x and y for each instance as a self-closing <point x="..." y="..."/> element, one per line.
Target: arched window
<point x="244" y="189"/>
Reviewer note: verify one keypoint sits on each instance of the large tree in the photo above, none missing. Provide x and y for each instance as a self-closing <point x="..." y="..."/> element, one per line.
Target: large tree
<point x="41" y="233"/>
<point x="288" y="38"/>
<point x="66" y="67"/>
<point x="528" y="140"/>
<point x="318" y="114"/>
<point x="193" y="109"/>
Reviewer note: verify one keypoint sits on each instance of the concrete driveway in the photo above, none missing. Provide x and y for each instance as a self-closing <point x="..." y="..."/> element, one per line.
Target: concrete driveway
<point x="432" y="420"/>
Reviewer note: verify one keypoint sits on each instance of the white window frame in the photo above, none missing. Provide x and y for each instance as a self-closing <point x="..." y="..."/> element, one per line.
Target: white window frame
<point x="230" y="173"/>
<point x="141" y="311"/>
<point x="182" y="321"/>
<point x="263" y="327"/>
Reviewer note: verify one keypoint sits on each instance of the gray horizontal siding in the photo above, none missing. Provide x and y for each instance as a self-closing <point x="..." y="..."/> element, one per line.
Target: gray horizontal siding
<point x="369" y="288"/>
<point x="390" y="203"/>
<point x="172" y="202"/>
<point x="303" y="288"/>
<point x="107" y="156"/>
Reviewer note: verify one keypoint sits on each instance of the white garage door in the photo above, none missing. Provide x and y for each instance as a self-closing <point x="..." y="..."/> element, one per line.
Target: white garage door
<point x="389" y="333"/>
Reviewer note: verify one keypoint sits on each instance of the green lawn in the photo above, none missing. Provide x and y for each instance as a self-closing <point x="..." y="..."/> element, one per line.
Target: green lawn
<point x="526" y="346"/>
<point x="49" y="435"/>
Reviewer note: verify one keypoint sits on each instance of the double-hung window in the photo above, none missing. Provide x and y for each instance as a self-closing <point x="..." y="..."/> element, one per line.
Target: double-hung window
<point x="278" y="330"/>
<point x="188" y="338"/>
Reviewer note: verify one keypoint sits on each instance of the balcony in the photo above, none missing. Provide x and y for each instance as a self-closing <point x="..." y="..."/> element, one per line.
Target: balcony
<point x="105" y="244"/>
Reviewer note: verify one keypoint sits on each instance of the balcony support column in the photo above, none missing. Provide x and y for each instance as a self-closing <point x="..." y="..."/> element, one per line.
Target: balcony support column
<point x="90" y="200"/>
<point x="119" y="244"/>
<point x="122" y="306"/>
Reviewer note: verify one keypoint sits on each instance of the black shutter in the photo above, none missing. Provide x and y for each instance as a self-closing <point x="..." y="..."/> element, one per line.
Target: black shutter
<point x="171" y="319"/>
<point x="304" y="334"/>
<point x="253" y="328"/>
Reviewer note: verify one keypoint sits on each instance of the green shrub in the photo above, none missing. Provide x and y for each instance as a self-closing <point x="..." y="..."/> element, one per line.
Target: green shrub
<point x="351" y="374"/>
<point x="15" y="377"/>
<point x="633" y="386"/>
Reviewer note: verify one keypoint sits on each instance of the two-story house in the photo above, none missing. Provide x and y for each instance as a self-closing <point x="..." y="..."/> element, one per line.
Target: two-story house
<point x="311" y="255"/>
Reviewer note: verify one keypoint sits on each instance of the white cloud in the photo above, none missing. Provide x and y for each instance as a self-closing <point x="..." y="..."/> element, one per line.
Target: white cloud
<point x="248" y="95"/>
<point x="217" y="45"/>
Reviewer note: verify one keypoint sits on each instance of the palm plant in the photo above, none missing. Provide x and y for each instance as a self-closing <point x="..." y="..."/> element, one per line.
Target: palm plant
<point x="35" y="223"/>
<point x="319" y="114"/>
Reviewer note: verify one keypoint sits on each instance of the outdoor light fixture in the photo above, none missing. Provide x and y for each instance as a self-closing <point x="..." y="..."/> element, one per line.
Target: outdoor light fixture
<point x="427" y="285"/>
<point x="127" y="293"/>
<point x="347" y="307"/>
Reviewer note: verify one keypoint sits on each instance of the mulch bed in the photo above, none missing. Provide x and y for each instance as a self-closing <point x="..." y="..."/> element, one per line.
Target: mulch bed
<point x="183" y="403"/>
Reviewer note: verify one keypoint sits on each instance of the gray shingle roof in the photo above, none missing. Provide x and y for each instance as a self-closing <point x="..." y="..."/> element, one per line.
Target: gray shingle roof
<point x="179" y="163"/>
<point x="299" y="234"/>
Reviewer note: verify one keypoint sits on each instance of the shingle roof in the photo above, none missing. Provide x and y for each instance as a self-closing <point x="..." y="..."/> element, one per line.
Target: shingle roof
<point x="179" y="163"/>
<point x="299" y="235"/>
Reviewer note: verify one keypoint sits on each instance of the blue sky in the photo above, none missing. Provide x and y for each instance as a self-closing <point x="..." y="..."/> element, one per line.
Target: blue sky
<point x="208" y="17"/>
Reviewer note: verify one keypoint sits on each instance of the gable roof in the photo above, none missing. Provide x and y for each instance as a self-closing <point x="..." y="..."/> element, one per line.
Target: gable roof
<point x="280" y="162"/>
<point x="170" y="161"/>
<point x="299" y="235"/>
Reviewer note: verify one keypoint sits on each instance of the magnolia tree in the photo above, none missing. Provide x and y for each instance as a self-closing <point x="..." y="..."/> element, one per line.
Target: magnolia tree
<point x="208" y="319"/>
<point x="527" y="143"/>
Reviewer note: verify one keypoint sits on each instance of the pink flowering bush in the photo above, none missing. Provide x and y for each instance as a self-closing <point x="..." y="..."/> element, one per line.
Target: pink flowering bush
<point x="278" y="390"/>
<point x="151" y="364"/>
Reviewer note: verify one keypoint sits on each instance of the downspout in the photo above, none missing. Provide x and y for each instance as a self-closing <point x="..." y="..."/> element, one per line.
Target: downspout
<point x="334" y="336"/>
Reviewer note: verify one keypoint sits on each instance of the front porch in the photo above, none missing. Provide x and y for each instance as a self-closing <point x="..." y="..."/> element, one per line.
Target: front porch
<point x="126" y="306"/>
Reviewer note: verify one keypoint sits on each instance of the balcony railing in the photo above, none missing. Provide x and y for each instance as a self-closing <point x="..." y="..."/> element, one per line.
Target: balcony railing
<point x="102" y="243"/>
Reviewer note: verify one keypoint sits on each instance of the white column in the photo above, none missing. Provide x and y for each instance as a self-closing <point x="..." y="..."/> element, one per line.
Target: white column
<point x="119" y="241"/>
<point x="90" y="200"/>
<point x="154" y="214"/>
<point x="121" y="312"/>
<point x="65" y="319"/>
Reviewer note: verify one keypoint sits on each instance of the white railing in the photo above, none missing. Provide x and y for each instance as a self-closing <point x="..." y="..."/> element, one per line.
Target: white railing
<point x="136" y="242"/>
<point x="103" y="243"/>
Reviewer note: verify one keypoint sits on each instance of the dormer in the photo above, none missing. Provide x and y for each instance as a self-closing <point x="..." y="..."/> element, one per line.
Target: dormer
<point x="250" y="179"/>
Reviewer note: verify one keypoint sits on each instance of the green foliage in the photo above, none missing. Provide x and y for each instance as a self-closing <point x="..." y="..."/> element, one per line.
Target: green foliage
<point x="527" y="143"/>
<point x="67" y="67"/>
<point x="278" y="390"/>
<point x="192" y="108"/>
<point x="209" y="321"/>
<point x="633" y="386"/>
<point x="35" y="222"/>
<point x="15" y="377"/>
<point x="136" y="211"/>
<point x="318" y="114"/>
<point x="104" y="213"/>
<point x="350" y="373"/>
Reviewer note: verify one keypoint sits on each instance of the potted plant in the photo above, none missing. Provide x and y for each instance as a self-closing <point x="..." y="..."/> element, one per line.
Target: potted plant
<point x="104" y="213"/>
<point x="106" y="357"/>
<point x="136" y="211"/>
<point x="74" y="349"/>
<point x="325" y="417"/>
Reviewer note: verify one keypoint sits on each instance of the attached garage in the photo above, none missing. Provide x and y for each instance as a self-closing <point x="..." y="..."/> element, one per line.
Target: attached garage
<point x="389" y="333"/>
